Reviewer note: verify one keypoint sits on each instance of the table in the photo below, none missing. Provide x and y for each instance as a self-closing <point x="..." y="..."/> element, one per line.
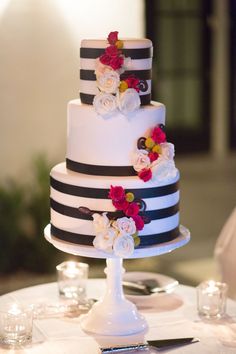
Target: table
<point x="168" y="316"/>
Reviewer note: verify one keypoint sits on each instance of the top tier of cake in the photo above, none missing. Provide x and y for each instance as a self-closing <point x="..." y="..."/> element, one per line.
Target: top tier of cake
<point x="138" y="50"/>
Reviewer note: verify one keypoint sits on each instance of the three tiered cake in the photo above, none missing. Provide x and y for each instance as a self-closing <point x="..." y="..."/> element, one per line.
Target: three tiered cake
<point x="118" y="189"/>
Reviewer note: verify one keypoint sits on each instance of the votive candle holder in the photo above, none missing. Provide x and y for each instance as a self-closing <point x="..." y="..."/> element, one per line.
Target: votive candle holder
<point x="211" y="299"/>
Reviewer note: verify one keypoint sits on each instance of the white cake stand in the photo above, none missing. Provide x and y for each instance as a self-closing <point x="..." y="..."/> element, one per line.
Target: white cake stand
<point x="114" y="315"/>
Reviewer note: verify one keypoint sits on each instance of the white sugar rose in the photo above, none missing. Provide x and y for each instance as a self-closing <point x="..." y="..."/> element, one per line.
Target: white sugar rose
<point x="101" y="68"/>
<point x="125" y="226"/>
<point x="100" y="222"/>
<point x="105" y="104"/>
<point x="109" y="81"/>
<point x="140" y="160"/>
<point x="104" y="241"/>
<point x="127" y="63"/>
<point x="128" y="101"/>
<point x="167" y="151"/>
<point x="123" y="246"/>
<point x="163" y="169"/>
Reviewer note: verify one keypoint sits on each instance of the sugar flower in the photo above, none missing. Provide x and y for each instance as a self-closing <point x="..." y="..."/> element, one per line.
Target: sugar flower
<point x="123" y="246"/>
<point x="105" y="104"/>
<point x="128" y="101"/>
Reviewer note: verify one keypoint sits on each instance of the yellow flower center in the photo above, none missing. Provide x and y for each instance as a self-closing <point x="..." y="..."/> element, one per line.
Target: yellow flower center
<point x="119" y="44"/>
<point x="149" y="143"/>
<point x="123" y="86"/>
<point x="156" y="148"/>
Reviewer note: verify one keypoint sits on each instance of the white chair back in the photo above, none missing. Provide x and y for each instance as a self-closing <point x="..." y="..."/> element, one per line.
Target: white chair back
<point x="225" y="253"/>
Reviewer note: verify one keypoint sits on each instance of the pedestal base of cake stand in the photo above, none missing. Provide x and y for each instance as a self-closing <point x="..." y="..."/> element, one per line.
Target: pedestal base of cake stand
<point x="114" y="314"/>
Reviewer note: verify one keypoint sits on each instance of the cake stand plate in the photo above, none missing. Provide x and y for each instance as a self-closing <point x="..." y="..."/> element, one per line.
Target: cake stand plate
<point x="88" y="251"/>
<point x="114" y="315"/>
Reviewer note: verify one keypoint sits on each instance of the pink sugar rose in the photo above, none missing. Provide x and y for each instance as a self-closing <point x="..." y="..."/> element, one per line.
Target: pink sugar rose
<point x="145" y="174"/>
<point x="158" y="135"/>
<point x="153" y="156"/>
<point x="117" y="193"/>
<point x="117" y="62"/>
<point x="112" y="37"/>
<point x="105" y="59"/>
<point x="132" y="209"/>
<point x="133" y="82"/>
<point x="139" y="223"/>
<point x="120" y="204"/>
<point x="112" y="51"/>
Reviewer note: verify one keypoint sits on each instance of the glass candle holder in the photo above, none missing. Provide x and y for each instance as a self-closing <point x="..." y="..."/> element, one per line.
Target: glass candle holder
<point x="211" y="299"/>
<point x="16" y="323"/>
<point x="72" y="279"/>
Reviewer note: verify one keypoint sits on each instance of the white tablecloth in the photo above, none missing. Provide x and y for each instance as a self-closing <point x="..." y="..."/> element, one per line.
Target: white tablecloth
<point x="168" y="316"/>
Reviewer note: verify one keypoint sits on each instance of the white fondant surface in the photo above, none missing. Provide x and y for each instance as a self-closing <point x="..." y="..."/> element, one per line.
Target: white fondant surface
<point x="128" y="43"/>
<point x="95" y="140"/>
<point x="85" y="227"/>
<point x="90" y="87"/>
<point x="62" y="174"/>
<point x="135" y="64"/>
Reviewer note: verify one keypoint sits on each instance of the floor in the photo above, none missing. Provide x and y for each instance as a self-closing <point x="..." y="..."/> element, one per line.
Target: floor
<point x="208" y="195"/>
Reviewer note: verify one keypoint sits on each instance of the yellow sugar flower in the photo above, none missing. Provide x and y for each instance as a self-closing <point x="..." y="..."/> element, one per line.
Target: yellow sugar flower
<point x="157" y="149"/>
<point x="129" y="197"/>
<point x="149" y="143"/>
<point x="119" y="44"/>
<point x="136" y="241"/>
<point x="123" y="86"/>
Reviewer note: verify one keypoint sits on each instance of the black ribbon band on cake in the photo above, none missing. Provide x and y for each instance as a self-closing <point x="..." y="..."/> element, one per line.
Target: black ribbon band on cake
<point x="88" y="99"/>
<point x="97" y="170"/>
<point x="87" y="240"/>
<point x="76" y="213"/>
<point x="141" y="74"/>
<point x="139" y="53"/>
<point x="100" y="193"/>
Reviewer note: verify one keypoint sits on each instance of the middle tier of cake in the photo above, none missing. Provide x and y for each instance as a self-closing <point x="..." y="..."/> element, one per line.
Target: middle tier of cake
<point x="105" y="146"/>
<point x="71" y="191"/>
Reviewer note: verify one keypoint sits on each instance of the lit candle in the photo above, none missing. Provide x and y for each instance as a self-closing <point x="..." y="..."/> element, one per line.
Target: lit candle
<point x="16" y="325"/>
<point x="71" y="270"/>
<point x="212" y="299"/>
<point x="72" y="277"/>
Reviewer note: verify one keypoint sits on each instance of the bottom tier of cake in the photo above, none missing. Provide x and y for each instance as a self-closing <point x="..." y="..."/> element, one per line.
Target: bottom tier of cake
<point x="72" y="192"/>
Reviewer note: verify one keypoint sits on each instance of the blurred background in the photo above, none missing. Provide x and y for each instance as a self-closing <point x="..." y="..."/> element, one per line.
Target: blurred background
<point x="194" y="75"/>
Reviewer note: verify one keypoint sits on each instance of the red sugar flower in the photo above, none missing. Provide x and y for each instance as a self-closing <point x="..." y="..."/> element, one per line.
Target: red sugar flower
<point x="105" y="59"/>
<point x="145" y="174"/>
<point x="158" y="135"/>
<point x="116" y="62"/>
<point x="117" y="193"/>
<point x="139" y="223"/>
<point x="153" y="156"/>
<point x="112" y="37"/>
<point x="112" y="51"/>
<point x="133" y="82"/>
<point x="132" y="209"/>
<point x="120" y="204"/>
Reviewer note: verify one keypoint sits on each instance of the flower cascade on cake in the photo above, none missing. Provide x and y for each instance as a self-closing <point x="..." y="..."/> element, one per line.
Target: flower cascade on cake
<point x="119" y="235"/>
<point x="115" y="93"/>
<point x="154" y="158"/>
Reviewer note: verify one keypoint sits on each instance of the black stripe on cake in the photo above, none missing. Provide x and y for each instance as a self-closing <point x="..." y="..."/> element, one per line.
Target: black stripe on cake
<point x="102" y="193"/>
<point x="88" y="99"/>
<point x="76" y="213"/>
<point x="152" y="240"/>
<point x="139" y="53"/>
<point x="87" y="240"/>
<point x="99" y="170"/>
<point x="140" y="74"/>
